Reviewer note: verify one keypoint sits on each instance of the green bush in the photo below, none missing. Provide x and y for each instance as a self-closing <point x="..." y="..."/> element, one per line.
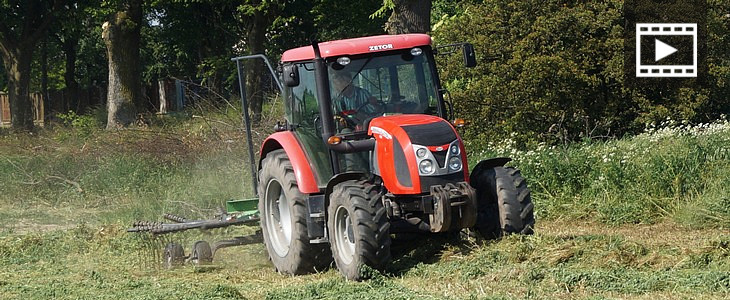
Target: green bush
<point x="552" y="71"/>
<point x="82" y="124"/>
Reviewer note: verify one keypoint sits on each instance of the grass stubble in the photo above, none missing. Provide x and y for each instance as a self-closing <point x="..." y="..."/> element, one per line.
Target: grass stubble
<point x="644" y="217"/>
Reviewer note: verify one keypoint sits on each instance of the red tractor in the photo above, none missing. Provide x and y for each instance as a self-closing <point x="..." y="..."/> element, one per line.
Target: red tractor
<point x="366" y="152"/>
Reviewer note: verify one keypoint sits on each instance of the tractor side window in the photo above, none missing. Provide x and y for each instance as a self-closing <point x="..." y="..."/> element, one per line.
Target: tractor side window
<point x="305" y="114"/>
<point x="304" y="98"/>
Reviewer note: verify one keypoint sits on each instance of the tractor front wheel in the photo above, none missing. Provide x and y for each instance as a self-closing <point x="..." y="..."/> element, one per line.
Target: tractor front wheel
<point x="284" y="219"/>
<point x="504" y="203"/>
<point x="358" y="228"/>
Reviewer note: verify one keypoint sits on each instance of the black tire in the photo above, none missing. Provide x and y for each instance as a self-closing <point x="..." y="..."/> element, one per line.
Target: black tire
<point x="173" y="256"/>
<point x="287" y="241"/>
<point x="504" y="203"/>
<point x="201" y="254"/>
<point x="358" y="228"/>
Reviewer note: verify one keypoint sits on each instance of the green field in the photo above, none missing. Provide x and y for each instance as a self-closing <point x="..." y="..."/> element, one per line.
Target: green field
<point x="644" y="217"/>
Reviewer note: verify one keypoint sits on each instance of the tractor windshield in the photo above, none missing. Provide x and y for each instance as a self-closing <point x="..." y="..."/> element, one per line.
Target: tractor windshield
<point x="361" y="87"/>
<point x="396" y="83"/>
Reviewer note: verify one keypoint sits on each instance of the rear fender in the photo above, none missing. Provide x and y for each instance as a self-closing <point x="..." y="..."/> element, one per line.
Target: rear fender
<point x="302" y="169"/>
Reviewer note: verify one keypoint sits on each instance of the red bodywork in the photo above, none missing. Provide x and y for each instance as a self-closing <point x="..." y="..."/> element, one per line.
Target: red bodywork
<point x="302" y="169"/>
<point x="359" y="46"/>
<point x="384" y="129"/>
<point x="390" y="125"/>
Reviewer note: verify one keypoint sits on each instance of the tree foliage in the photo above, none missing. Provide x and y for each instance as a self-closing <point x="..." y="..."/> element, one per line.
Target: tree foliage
<point x="22" y="25"/>
<point x="185" y="39"/>
<point x="406" y="16"/>
<point x="548" y="70"/>
<point x="553" y="71"/>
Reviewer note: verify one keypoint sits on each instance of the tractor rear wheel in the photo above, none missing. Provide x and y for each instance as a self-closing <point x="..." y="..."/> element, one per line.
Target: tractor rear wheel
<point x="283" y="212"/>
<point x="358" y="228"/>
<point x="504" y="203"/>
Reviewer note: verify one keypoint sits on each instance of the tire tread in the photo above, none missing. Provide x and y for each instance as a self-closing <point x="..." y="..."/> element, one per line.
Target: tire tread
<point x="372" y="223"/>
<point x="306" y="257"/>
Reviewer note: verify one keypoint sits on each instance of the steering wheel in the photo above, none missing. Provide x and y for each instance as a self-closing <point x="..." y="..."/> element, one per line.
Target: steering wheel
<point x="379" y="108"/>
<point x="357" y="116"/>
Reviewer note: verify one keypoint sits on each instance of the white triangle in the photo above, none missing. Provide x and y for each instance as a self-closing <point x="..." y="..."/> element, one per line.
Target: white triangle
<point x="662" y="50"/>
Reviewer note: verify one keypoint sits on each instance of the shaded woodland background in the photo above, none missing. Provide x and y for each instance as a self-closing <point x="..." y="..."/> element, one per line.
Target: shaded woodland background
<point x="549" y="71"/>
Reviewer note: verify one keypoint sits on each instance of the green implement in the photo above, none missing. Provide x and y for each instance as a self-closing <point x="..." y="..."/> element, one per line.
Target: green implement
<point x="238" y="212"/>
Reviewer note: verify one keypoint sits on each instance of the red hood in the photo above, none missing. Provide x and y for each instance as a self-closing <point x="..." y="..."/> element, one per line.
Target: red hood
<point x="403" y="120"/>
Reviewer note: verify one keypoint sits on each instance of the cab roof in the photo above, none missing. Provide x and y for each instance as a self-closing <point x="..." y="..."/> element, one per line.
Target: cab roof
<point x="358" y="46"/>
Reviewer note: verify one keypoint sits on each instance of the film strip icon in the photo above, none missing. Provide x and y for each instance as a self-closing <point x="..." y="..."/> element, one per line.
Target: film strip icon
<point x="657" y="29"/>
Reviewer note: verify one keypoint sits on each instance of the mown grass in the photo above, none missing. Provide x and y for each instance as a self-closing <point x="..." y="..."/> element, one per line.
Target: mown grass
<point x="644" y="217"/>
<point x="92" y="262"/>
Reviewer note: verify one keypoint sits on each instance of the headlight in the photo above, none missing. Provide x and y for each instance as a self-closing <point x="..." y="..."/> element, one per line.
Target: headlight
<point x="426" y="166"/>
<point x="416" y="51"/>
<point x="421" y="152"/>
<point x="454" y="149"/>
<point x="454" y="163"/>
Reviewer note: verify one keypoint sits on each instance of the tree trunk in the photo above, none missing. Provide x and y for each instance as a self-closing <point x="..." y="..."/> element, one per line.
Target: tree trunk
<point x="121" y="34"/>
<point x="18" y="66"/>
<point x="17" y="43"/>
<point x="255" y="68"/>
<point x="44" y="74"/>
<point x="69" y="77"/>
<point x="162" y="95"/>
<point x="409" y="16"/>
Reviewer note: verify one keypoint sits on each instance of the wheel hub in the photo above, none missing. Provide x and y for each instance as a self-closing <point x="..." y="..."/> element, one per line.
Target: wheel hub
<point x="345" y="235"/>
<point x="278" y="218"/>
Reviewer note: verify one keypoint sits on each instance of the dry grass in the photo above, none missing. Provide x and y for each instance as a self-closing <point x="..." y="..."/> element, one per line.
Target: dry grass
<point x="139" y="174"/>
<point x="561" y="261"/>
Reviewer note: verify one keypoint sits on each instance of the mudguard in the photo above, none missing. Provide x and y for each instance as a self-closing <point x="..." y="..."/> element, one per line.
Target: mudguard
<point x="488" y="164"/>
<point x="302" y="169"/>
<point x="340" y="178"/>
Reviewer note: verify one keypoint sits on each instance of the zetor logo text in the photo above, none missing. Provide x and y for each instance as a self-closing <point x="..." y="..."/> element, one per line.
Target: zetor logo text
<point x="381" y="47"/>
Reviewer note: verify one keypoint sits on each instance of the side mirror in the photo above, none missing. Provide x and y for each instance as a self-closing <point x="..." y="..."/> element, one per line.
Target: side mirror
<point x="291" y="75"/>
<point x="470" y="59"/>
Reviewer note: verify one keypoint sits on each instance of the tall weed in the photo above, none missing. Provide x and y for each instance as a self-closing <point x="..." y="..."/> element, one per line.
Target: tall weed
<point x="673" y="170"/>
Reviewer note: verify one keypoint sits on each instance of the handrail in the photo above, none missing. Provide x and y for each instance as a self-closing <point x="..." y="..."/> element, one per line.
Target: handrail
<point x="244" y="104"/>
<point x="268" y="64"/>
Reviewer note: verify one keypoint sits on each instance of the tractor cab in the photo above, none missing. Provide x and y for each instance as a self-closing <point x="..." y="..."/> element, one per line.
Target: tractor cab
<point x="367" y="150"/>
<point x="364" y="78"/>
<point x="365" y="85"/>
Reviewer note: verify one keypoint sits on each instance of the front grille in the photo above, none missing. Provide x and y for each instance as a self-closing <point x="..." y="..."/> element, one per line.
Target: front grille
<point x="428" y="181"/>
<point x="440" y="157"/>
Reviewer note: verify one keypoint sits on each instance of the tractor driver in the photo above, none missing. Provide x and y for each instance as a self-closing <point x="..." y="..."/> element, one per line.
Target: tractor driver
<point x="351" y="101"/>
<point x="353" y="105"/>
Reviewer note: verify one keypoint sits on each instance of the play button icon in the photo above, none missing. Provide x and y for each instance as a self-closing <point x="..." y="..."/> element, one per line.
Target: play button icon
<point x="675" y="55"/>
<point x="662" y="50"/>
